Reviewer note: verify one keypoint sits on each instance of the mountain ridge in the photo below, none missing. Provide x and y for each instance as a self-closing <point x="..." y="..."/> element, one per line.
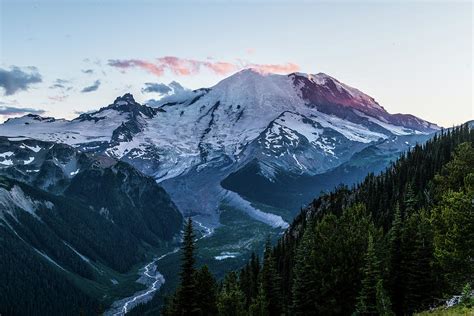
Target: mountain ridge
<point x="298" y="124"/>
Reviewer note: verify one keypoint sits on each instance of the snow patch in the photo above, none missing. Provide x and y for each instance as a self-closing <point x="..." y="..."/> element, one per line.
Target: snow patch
<point x="226" y="255"/>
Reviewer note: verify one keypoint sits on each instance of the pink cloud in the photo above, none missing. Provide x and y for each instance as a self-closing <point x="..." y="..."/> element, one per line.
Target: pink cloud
<point x="187" y="67"/>
<point x="130" y="63"/>
<point x="180" y="66"/>
<point x="221" y="68"/>
<point x="276" y="68"/>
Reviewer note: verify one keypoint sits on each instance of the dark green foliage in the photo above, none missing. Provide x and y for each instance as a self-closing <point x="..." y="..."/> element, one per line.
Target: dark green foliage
<point x="394" y="265"/>
<point x="186" y="302"/>
<point x="206" y="292"/>
<point x="231" y="298"/>
<point x="249" y="277"/>
<point x="372" y="295"/>
<point x="259" y="306"/>
<point x="453" y="219"/>
<point x="270" y="281"/>
<point x="418" y="276"/>
<point x="339" y="245"/>
<point x="304" y="278"/>
<point x="137" y="204"/>
<point x="31" y="286"/>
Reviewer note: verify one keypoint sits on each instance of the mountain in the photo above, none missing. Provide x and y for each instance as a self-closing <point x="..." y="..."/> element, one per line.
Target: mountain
<point x="72" y="223"/>
<point x="268" y="127"/>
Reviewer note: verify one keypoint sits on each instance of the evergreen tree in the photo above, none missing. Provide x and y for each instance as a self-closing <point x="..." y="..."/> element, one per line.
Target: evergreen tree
<point x="395" y="261"/>
<point x="453" y="219"/>
<point x="254" y="272"/>
<point x="367" y="300"/>
<point x="186" y="303"/>
<point x="417" y="262"/>
<point x="384" y="305"/>
<point x="231" y="298"/>
<point x="169" y="307"/>
<point x="271" y="282"/>
<point x="206" y="292"/>
<point x="304" y="285"/>
<point x="245" y="284"/>
<point x="410" y="200"/>
<point x="259" y="306"/>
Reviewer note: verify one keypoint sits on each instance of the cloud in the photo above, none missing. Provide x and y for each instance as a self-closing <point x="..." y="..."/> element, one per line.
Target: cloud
<point x="279" y="68"/>
<point x="16" y="79"/>
<point x="131" y="63"/>
<point x="58" y="98"/>
<point x="187" y="67"/>
<point x="250" y="51"/>
<point x="61" y="84"/>
<point x="92" y="87"/>
<point x="177" y="87"/>
<point x="88" y="71"/>
<point x="160" y="88"/>
<point x="11" y="110"/>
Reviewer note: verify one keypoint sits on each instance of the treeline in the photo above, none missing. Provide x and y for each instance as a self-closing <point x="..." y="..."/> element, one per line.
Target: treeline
<point x="397" y="243"/>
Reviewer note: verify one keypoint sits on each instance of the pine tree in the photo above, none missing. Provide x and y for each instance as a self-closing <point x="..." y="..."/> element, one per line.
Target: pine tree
<point x="271" y="282"/>
<point x="186" y="295"/>
<point x="259" y="306"/>
<point x="245" y="284"/>
<point x="206" y="292"/>
<point x="304" y="285"/>
<point x="169" y="307"/>
<point x="254" y="275"/>
<point x="417" y="262"/>
<point x="384" y="305"/>
<point x="395" y="261"/>
<point x="367" y="300"/>
<point x="453" y="219"/>
<point x="410" y="200"/>
<point x="231" y="299"/>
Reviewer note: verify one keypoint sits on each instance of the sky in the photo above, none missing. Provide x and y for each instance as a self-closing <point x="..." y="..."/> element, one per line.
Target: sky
<point x="62" y="58"/>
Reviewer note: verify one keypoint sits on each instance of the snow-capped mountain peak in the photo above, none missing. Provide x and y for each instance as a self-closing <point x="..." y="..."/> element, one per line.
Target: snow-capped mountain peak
<point x="296" y="123"/>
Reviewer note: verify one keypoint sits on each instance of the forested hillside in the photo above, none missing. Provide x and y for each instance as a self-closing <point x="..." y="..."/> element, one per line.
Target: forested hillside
<point x="397" y="243"/>
<point x="74" y="227"/>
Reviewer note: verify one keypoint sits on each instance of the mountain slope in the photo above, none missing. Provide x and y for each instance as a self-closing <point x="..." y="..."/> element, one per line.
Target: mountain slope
<point x="296" y="125"/>
<point x="396" y="244"/>
<point x="81" y="220"/>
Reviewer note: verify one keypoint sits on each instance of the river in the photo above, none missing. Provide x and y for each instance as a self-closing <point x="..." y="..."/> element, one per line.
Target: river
<point x="150" y="276"/>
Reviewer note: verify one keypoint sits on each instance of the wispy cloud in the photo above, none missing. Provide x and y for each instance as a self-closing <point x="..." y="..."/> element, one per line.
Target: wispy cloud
<point x="58" y="98"/>
<point x="61" y="84"/>
<point x="17" y="79"/>
<point x="276" y="68"/>
<point x="12" y="111"/>
<point x="187" y="67"/>
<point x="132" y="63"/>
<point x="88" y="71"/>
<point x="92" y="87"/>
